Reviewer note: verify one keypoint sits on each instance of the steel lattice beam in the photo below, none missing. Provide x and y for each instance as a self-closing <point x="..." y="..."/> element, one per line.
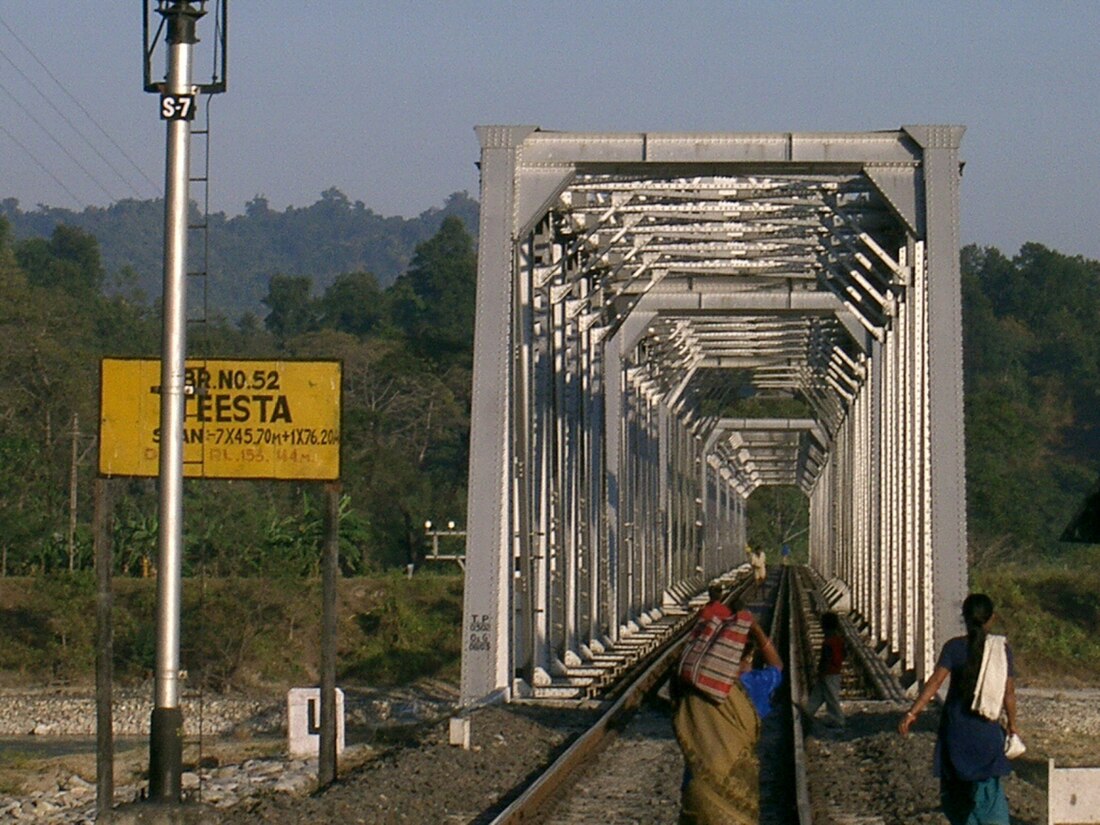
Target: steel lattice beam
<point x="626" y="284"/>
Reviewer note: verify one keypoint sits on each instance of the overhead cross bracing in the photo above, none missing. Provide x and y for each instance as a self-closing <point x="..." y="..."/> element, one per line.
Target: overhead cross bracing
<point x="631" y="289"/>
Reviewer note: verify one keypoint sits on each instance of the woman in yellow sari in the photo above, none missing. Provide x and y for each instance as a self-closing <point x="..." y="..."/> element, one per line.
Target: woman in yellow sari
<point x="718" y="740"/>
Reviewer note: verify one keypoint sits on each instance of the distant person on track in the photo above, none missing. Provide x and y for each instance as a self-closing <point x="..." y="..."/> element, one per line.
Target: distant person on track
<point x="719" y="739"/>
<point x="970" y="747"/>
<point x="785" y="553"/>
<point x="830" y="663"/>
<point x="759" y="563"/>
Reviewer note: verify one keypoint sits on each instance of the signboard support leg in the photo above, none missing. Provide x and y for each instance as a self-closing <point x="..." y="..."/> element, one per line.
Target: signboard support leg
<point x="104" y="669"/>
<point x="326" y="762"/>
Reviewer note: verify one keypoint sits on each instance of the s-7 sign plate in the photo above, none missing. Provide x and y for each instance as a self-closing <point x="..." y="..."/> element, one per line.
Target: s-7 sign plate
<point x="242" y="419"/>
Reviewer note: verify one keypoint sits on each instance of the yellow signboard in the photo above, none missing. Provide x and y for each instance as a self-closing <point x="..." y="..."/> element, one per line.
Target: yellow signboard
<point x="242" y="419"/>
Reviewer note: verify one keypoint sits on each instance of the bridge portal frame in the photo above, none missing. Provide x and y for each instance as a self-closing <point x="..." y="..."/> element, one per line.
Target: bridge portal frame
<point x="888" y="509"/>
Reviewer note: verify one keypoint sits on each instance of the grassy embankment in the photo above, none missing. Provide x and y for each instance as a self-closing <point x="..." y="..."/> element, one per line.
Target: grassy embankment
<point x="1051" y="615"/>
<point x="262" y="634"/>
<point x="237" y="634"/>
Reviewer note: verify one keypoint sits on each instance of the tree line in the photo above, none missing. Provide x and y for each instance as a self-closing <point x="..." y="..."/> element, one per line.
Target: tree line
<point x="1032" y="383"/>
<point x="407" y="357"/>
<point x="322" y="241"/>
<point x="1031" y="360"/>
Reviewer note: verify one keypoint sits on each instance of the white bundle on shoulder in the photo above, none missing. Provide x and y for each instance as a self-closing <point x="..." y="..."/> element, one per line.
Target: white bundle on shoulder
<point x="989" y="692"/>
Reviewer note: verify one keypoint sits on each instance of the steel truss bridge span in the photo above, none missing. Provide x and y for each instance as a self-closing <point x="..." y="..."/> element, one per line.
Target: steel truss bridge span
<point x="631" y="287"/>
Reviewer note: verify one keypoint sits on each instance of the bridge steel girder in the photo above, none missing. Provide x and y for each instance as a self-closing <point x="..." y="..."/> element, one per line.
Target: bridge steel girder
<point x="615" y="271"/>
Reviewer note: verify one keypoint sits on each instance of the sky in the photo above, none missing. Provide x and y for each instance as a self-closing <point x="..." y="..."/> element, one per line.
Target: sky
<point x="380" y="99"/>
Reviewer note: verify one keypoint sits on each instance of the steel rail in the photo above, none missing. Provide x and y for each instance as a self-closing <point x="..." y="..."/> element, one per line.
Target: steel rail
<point x="793" y="607"/>
<point x="795" y="664"/>
<point x="877" y="681"/>
<point x="875" y="673"/>
<point x="527" y="806"/>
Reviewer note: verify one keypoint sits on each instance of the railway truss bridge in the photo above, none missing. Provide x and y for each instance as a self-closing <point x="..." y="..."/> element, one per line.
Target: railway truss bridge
<point x="630" y="287"/>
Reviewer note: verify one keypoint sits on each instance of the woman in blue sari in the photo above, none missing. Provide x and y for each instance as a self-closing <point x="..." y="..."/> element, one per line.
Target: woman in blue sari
<point x="970" y="749"/>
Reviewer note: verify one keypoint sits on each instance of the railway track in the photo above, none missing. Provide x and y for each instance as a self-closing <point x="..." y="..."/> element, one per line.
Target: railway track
<point x="627" y="767"/>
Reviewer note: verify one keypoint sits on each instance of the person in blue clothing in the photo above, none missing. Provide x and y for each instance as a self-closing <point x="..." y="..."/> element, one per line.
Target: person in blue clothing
<point x="719" y="740"/>
<point x="761" y="682"/>
<point x="970" y="750"/>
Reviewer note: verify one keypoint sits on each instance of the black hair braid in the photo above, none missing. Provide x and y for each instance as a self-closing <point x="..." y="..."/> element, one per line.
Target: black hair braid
<point x="977" y="610"/>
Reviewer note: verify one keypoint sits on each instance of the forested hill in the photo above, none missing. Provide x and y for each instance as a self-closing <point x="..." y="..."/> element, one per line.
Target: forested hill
<point x="1031" y="354"/>
<point x="332" y="237"/>
<point x="323" y="278"/>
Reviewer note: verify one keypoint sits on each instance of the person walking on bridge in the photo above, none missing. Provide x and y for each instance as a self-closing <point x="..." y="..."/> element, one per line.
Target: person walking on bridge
<point x="719" y="737"/>
<point x="970" y="748"/>
<point x="759" y="562"/>
<point x="715" y="608"/>
<point x="830" y="666"/>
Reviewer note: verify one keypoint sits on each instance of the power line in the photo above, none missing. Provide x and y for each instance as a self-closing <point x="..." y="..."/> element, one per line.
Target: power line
<point x="67" y="120"/>
<point x="60" y="146"/>
<point x="155" y="187"/>
<point x="42" y="166"/>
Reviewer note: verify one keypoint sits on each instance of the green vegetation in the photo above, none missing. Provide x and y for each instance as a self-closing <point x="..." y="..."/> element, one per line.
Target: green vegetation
<point x="258" y="632"/>
<point x="407" y="357"/>
<point x="1051" y="616"/>
<point x="320" y="242"/>
<point x="1032" y="365"/>
<point x="250" y="633"/>
<point x="393" y="300"/>
<point x="778" y="516"/>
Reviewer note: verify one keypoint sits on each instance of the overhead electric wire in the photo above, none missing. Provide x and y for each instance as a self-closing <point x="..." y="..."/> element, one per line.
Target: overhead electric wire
<point x="60" y="145"/>
<point x="67" y="120"/>
<point x="42" y="166"/>
<point x="156" y="188"/>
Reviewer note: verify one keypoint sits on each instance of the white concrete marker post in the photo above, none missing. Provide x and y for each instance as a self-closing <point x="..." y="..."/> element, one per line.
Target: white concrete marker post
<point x="303" y="721"/>
<point x="460" y="732"/>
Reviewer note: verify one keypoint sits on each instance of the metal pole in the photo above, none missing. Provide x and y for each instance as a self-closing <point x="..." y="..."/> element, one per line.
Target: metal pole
<point x="326" y="763"/>
<point x="166" y="728"/>
<point x="104" y="671"/>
